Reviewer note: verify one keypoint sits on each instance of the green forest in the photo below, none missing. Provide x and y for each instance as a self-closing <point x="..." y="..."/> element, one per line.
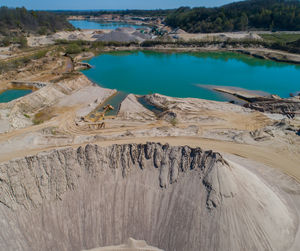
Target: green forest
<point x="20" y="20"/>
<point x="96" y="13"/>
<point x="274" y="15"/>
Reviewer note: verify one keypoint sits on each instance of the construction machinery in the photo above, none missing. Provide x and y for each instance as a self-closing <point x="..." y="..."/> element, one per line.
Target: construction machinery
<point x="93" y="120"/>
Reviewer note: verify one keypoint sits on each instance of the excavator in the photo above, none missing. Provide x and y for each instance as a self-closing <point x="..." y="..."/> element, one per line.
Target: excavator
<point x="105" y="110"/>
<point x="94" y="121"/>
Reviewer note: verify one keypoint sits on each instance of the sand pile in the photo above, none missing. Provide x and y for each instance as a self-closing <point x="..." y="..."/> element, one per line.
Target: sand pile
<point x="123" y="35"/>
<point x="131" y="245"/>
<point x="174" y="198"/>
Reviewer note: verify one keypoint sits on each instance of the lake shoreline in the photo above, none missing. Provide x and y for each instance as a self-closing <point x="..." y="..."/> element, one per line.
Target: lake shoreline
<point x="147" y="58"/>
<point x="208" y="42"/>
<point x="256" y="52"/>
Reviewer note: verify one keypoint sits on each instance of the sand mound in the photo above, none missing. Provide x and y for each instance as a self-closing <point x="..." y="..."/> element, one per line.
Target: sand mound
<point x="123" y="35"/>
<point x="175" y="198"/>
<point x="131" y="245"/>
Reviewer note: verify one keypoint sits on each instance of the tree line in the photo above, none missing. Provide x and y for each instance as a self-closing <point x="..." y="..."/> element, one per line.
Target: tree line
<point x="240" y="16"/>
<point x="96" y="13"/>
<point x="19" y="20"/>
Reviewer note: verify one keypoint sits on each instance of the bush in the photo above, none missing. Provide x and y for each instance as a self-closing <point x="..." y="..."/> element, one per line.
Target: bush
<point x="43" y="31"/>
<point x="6" y="41"/>
<point x="23" y="42"/>
<point x="173" y="121"/>
<point x="20" y="62"/>
<point x="73" y="49"/>
<point x="39" y="54"/>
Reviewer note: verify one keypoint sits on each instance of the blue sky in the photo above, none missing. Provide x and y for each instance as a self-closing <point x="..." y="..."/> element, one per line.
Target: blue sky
<point x="109" y="4"/>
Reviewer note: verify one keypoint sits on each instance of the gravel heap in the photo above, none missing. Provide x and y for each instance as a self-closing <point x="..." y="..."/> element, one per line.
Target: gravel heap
<point x="126" y="34"/>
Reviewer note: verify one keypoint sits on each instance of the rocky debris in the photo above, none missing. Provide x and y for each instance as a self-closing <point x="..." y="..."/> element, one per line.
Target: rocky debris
<point x="282" y="128"/>
<point x="84" y="56"/>
<point x="262" y="134"/>
<point x="289" y="107"/>
<point x="29" y="84"/>
<point x="287" y="125"/>
<point x="141" y="36"/>
<point x="189" y="110"/>
<point x="172" y="110"/>
<point x="131" y="245"/>
<point x="172" y="116"/>
<point x="157" y="100"/>
<point x="82" y="66"/>
<point x="232" y="135"/>
<point x="164" y="103"/>
<point x="265" y="103"/>
<point x="117" y="37"/>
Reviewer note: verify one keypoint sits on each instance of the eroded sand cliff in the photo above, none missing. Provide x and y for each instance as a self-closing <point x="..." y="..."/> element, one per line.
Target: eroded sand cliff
<point x="175" y="198"/>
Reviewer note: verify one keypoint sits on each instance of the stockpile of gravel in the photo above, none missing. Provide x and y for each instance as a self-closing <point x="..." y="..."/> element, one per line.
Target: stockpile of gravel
<point x="126" y="34"/>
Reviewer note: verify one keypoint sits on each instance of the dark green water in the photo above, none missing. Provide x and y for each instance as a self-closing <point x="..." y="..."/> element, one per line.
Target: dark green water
<point x="183" y="74"/>
<point x="10" y="95"/>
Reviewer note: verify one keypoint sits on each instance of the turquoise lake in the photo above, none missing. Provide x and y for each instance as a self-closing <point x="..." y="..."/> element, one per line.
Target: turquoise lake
<point x="84" y="24"/>
<point x="182" y="74"/>
<point x="10" y="95"/>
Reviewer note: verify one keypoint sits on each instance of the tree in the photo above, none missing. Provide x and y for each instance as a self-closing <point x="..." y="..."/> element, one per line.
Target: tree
<point x="244" y="15"/>
<point x="244" y="21"/>
<point x="73" y="49"/>
<point x="20" y="21"/>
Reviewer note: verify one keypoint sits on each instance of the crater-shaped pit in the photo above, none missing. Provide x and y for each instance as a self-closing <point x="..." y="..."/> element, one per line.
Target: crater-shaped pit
<point x="174" y="198"/>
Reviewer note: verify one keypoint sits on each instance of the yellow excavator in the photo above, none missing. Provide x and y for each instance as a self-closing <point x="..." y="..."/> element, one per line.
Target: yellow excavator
<point x="102" y="114"/>
<point x="97" y="117"/>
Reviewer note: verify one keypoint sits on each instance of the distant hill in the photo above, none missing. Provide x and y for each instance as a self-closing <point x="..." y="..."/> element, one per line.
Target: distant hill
<point x="20" y="20"/>
<point x="239" y="16"/>
<point x="95" y="13"/>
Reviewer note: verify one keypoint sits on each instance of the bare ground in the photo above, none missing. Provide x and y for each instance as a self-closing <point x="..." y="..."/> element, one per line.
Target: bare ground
<point x="247" y="138"/>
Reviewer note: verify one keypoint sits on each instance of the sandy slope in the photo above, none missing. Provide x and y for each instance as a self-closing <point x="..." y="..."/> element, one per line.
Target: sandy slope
<point x="175" y="198"/>
<point x="257" y="148"/>
<point x="212" y="125"/>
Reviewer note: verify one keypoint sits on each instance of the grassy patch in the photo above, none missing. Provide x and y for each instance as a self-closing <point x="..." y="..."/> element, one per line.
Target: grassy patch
<point x="53" y="132"/>
<point x="280" y="37"/>
<point x="173" y="121"/>
<point x="39" y="54"/>
<point x="8" y="40"/>
<point x="73" y="48"/>
<point x="43" y="116"/>
<point x="14" y="64"/>
<point x="77" y="46"/>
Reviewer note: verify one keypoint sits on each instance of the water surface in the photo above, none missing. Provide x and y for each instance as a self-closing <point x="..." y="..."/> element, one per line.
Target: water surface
<point x="97" y="25"/>
<point x="183" y="74"/>
<point x="10" y="95"/>
<point x="115" y="102"/>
